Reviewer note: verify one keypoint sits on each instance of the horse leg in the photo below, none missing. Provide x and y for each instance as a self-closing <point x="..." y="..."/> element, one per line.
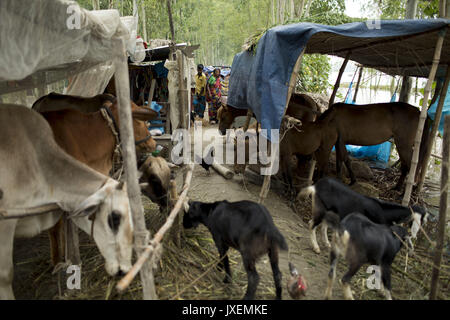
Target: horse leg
<point x="348" y="164"/>
<point x="405" y="155"/>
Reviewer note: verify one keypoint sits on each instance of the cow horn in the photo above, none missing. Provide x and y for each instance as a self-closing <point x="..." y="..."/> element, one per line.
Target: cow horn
<point x="120" y="185"/>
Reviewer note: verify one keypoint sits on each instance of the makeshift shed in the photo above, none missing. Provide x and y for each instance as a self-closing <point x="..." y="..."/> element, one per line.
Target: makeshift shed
<point x="49" y="40"/>
<point x="398" y="47"/>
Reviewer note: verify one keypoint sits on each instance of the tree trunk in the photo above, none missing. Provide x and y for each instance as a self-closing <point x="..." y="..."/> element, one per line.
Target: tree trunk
<point x="274" y="21"/>
<point x="292" y="13"/>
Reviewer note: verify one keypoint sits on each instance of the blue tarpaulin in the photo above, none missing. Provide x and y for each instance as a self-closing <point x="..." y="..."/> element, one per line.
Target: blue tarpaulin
<point x="445" y="110"/>
<point x="259" y="81"/>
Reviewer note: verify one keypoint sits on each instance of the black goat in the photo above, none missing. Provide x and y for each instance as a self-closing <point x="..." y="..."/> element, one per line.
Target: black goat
<point x="329" y="194"/>
<point x="362" y="241"/>
<point x="246" y="226"/>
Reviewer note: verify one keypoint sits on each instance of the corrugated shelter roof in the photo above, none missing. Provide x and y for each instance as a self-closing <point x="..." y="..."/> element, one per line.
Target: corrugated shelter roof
<point x="259" y="81"/>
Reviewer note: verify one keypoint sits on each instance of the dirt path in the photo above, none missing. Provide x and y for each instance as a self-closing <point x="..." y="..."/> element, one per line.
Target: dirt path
<point x="312" y="266"/>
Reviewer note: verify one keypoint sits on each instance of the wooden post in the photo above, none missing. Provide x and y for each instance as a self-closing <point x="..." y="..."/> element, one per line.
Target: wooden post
<point x="423" y="116"/>
<point x="442" y="211"/>
<point x="141" y="234"/>
<point x="266" y="184"/>
<point x="437" y="120"/>
<point x="338" y="80"/>
<point x="358" y="83"/>
<point x="151" y="92"/>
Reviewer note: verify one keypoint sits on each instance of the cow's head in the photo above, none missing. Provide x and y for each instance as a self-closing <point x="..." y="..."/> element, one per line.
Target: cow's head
<point x="144" y="142"/>
<point x="226" y="118"/>
<point x="106" y="215"/>
<point x="155" y="180"/>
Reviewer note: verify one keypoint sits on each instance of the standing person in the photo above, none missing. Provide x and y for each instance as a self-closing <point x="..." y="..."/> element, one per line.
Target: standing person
<point x="214" y="93"/>
<point x="200" y="92"/>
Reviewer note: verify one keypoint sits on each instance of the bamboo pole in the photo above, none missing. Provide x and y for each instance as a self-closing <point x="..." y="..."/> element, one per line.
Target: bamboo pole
<point x="442" y="211"/>
<point x="423" y="116"/>
<point x="358" y="83"/>
<point x="338" y="80"/>
<point x="177" y="224"/>
<point x="437" y="120"/>
<point x="148" y="252"/>
<point x="141" y="234"/>
<point x="275" y="157"/>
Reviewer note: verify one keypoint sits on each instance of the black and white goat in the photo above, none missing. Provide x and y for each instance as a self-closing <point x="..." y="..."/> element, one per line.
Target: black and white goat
<point x="362" y="241"/>
<point x="329" y="194"/>
<point x="246" y="226"/>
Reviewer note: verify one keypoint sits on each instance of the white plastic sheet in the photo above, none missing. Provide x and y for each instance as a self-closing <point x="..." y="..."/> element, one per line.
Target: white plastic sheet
<point x="41" y="34"/>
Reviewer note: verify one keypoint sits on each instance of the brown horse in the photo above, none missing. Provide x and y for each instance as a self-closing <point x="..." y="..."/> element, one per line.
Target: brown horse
<point x="372" y="124"/>
<point x="301" y="106"/>
<point x="311" y="138"/>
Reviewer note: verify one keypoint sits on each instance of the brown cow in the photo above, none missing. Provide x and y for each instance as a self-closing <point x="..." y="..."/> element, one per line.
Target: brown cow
<point x="89" y="139"/>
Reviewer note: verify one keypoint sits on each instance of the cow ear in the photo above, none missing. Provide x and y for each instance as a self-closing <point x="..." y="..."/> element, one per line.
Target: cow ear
<point x="93" y="202"/>
<point x="120" y="185"/>
<point x="144" y="114"/>
<point x="88" y="206"/>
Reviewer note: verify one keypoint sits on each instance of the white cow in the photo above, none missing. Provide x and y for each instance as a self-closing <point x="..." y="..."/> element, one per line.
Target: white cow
<point x="35" y="171"/>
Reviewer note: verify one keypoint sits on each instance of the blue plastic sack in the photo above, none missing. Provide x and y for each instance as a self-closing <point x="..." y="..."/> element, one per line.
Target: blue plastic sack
<point x="157" y="107"/>
<point x="445" y="110"/>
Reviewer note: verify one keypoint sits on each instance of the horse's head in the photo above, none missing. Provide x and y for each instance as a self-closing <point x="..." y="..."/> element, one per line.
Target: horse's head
<point x="226" y="117"/>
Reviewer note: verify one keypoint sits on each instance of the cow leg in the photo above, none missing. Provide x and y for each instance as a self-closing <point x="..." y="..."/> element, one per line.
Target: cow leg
<point x="287" y="174"/>
<point x="354" y="267"/>
<point x="56" y="235"/>
<point x="277" y="276"/>
<point x="348" y="164"/>
<point x="252" y="276"/>
<point x="7" y="229"/>
<point x="332" y="273"/>
<point x="339" y="157"/>
<point x="386" y="280"/>
<point x="405" y="155"/>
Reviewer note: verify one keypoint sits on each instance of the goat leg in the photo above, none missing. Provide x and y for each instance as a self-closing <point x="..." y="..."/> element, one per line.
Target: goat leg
<point x="331" y="274"/>
<point x="252" y="276"/>
<point x="277" y="276"/>
<point x="313" y="237"/>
